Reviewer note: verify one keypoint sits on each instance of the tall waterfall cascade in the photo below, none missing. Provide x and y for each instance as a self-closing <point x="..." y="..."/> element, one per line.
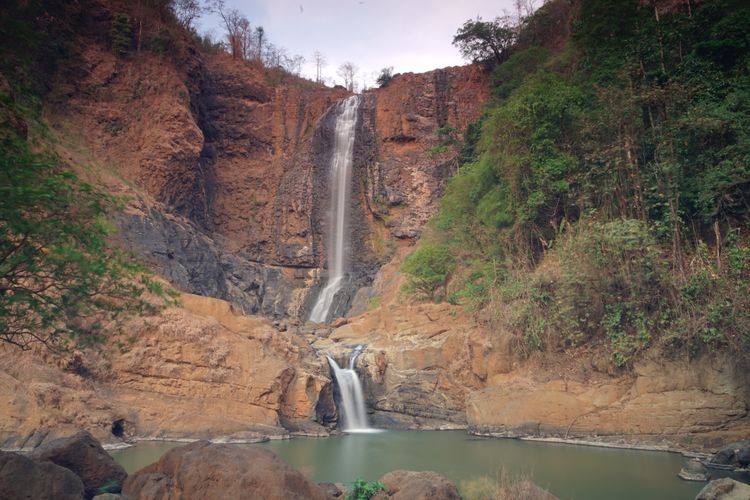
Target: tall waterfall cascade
<point x="340" y="182"/>
<point x="352" y="408"/>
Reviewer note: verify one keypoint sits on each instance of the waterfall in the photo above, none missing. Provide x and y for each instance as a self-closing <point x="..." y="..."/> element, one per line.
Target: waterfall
<point x="341" y="168"/>
<point x="353" y="412"/>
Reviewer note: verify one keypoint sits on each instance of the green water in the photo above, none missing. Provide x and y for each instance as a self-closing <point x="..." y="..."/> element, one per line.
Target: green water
<point x="568" y="471"/>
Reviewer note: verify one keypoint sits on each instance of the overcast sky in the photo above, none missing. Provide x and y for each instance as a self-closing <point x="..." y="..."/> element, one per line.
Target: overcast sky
<point x="410" y="35"/>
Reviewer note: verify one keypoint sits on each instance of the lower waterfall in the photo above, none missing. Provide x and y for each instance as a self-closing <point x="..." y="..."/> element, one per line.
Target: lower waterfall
<point x="353" y="412"/>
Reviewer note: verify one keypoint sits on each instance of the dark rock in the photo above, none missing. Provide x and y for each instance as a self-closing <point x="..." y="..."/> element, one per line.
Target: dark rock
<point x="732" y="455"/>
<point x="724" y="489"/>
<point x="410" y="485"/>
<point x="205" y="470"/>
<point x="335" y="490"/>
<point x="83" y="455"/>
<point x="24" y="478"/>
<point x="189" y="259"/>
<point x="694" y="470"/>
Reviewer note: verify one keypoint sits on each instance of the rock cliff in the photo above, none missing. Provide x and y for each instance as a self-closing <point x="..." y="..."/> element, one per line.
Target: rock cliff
<point x="435" y="366"/>
<point x="237" y="156"/>
<point x="195" y="371"/>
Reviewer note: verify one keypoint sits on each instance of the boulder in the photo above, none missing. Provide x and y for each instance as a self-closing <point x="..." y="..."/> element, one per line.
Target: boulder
<point x="205" y="470"/>
<point x="411" y="485"/>
<point x="724" y="489"/>
<point x="335" y="490"/>
<point x="83" y="455"/>
<point x="694" y="470"/>
<point x="732" y="455"/>
<point x="26" y="479"/>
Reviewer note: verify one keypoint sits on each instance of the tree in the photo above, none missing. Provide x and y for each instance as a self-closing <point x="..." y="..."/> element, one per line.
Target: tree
<point x="428" y="268"/>
<point x="385" y="76"/>
<point x="236" y="26"/>
<point x="348" y="71"/>
<point x="59" y="279"/>
<point x="186" y="12"/>
<point x="259" y="34"/>
<point x="294" y="64"/>
<point x="482" y="41"/>
<point x="320" y="62"/>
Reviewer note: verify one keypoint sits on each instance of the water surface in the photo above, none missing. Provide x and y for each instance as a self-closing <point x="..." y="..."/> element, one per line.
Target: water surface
<point x="569" y="471"/>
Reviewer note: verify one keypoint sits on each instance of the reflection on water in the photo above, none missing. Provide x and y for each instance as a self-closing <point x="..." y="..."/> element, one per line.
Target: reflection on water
<point x="568" y="471"/>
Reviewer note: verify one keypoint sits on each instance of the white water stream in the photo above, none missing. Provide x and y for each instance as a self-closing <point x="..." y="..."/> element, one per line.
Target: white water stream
<point x="341" y="168"/>
<point x="352" y="408"/>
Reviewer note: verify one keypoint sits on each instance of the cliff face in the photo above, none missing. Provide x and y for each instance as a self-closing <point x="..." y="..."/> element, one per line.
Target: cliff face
<point x="229" y="162"/>
<point x="419" y="120"/>
<point x="198" y="371"/>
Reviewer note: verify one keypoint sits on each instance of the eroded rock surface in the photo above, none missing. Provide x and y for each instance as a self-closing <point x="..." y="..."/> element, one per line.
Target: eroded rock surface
<point x="196" y="371"/>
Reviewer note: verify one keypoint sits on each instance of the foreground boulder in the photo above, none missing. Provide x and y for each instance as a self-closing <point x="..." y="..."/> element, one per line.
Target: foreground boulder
<point x="724" y="489"/>
<point x="410" y="485"/>
<point x="23" y="478"/>
<point x="83" y="455"/>
<point x="205" y="470"/>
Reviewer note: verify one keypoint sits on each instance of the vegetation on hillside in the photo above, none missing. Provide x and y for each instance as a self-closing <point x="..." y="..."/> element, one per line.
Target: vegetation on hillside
<point x="61" y="282"/>
<point x="603" y="198"/>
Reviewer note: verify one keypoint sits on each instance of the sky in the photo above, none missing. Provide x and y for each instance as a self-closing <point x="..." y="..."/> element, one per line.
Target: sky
<point x="410" y="35"/>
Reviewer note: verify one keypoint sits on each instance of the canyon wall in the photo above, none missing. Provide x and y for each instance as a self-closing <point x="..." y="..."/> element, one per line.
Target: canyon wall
<point x="228" y="162"/>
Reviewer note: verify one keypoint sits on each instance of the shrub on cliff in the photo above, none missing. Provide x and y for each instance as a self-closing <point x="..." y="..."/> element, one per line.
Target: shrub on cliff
<point x="59" y="279"/>
<point x="427" y="269"/>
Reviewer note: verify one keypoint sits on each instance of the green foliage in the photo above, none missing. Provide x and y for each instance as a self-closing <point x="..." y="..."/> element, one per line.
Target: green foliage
<point x="385" y="76"/>
<point x="121" y="34"/>
<point x="427" y="269"/>
<point x="482" y="41"/>
<point x="585" y="194"/>
<point x="364" y="490"/>
<point x="509" y="75"/>
<point x="162" y="42"/>
<point x="59" y="280"/>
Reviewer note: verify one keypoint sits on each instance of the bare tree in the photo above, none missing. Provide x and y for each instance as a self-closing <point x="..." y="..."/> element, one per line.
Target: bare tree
<point x="244" y="37"/>
<point x="348" y="71"/>
<point x="187" y="11"/>
<point x="274" y="56"/>
<point x="294" y="64"/>
<point x="320" y="62"/>
<point x="235" y="25"/>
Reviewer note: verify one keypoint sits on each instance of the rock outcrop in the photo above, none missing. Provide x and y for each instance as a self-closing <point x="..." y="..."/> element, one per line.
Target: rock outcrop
<point x="733" y="455"/>
<point x="197" y="371"/>
<point x="411" y="485"/>
<point x="24" y="478"/>
<point x="724" y="489"/>
<point x="660" y="400"/>
<point x="434" y="366"/>
<point x="204" y="470"/>
<point x="694" y="470"/>
<point x="84" y="456"/>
